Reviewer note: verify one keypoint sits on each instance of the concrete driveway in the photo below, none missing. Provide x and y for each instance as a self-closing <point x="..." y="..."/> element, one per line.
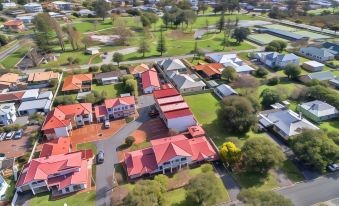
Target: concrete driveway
<point x="105" y="171"/>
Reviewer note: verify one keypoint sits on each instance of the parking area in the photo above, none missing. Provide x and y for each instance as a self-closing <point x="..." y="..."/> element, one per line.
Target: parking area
<point x="19" y="147"/>
<point x="152" y="129"/>
<point x="95" y="131"/>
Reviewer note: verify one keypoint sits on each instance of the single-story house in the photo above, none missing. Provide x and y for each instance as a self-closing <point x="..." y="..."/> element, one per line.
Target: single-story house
<point x="210" y="71"/>
<point x="34" y="106"/>
<point x="224" y="90"/>
<point x="335" y="82"/>
<point x="138" y="70"/>
<point x="8" y="5"/>
<point x="77" y="83"/>
<point x="244" y="69"/>
<point x="14" y="25"/>
<point x="109" y="77"/>
<point x="92" y="50"/>
<point x="9" y="81"/>
<point x="45" y="95"/>
<point x="313" y="66"/>
<point x="27" y="19"/>
<point x="86" y="12"/>
<point x="172" y="65"/>
<point x="185" y="83"/>
<point x="42" y="77"/>
<point x="7" y="113"/>
<point x="225" y="58"/>
<point x="273" y="59"/>
<point x="319" y="54"/>
<point x="284" y="122"/>
<point x="150" y="81"/>
<point x="332" y="47"/>
<point x="321" y="76"/>
<point x="33" y="7"/>
<point x="62" y="6"/>
<point x="318" y="111"/>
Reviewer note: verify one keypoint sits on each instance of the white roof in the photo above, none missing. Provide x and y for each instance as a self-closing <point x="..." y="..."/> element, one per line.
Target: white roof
<point x="287" y="121"/>
<point x="61" y="2"/>
<point x="35" y="104"/>
<point x="45" y="95"/>
<point x="32" y="93"/>
<point x="225" y="90"/>
<point x="6" y="108"/>
<point x="33" y="4"/>
<point x="314" y="64"/>
<point x="319" y="108"/>
<point x="243" y="68"/>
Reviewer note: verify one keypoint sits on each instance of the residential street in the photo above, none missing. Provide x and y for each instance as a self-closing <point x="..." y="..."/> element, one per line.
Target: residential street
<point x="10" y="50"/>
<point x="105" y="171"/>
<point x="313" y="191"/>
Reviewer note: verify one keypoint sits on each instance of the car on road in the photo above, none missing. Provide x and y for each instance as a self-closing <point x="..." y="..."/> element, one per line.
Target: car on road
<point x="9" y="135"/>
<point x="100" y="157"/>
<point x="2" y="136"/>
<point x="18" y="134"/>
<point x="2" y="156"/>
<point x="333" y="167"/>
<point x="106" y="124"/>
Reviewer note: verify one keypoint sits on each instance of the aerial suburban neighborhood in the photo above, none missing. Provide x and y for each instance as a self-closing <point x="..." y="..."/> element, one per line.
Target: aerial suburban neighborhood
<point x="169" y="103"/>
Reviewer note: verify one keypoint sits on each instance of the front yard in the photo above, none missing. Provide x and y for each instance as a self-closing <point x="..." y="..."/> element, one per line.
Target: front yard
<point x="113" y="90"/>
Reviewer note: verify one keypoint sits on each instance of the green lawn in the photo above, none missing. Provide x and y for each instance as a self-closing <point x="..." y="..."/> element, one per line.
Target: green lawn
<point x="113" y="90"/>
<point x="256" y="180"/>
<point x="10" y="190"/>
<point x="14" y="58"/>
<point x="281" y="27"/>
<point x="318" y="11"/>
<point x="312" y="35"/>
<point x="330" y="126"/>
<point x="264" y="38"/>
<point x="83" y="199"/>
<point x="291" y="171"/>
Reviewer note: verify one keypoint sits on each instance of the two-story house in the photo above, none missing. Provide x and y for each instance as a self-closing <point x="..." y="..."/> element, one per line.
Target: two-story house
<point x="60" y="121"/>
<point x="77" y="83"/>
<point x="318" y="54"/>
<point x="167" y="155"/>
<point x="115" y="108"/>
<point x="7" y="114"/>
<point x="274" y="59"/>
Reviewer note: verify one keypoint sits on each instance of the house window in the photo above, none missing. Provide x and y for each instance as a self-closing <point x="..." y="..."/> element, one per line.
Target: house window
<point x="183" y="159"/>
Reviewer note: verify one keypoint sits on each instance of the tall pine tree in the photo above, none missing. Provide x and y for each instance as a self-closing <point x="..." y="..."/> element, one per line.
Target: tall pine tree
<point x="161" y="43"/>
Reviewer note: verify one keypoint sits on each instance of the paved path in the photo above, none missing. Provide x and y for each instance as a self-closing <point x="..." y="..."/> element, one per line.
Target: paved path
<point x="109" y="57"/>
<point x="105" y="171"/>
<point x="10" y="50"/>
<point x="314" y="191"/>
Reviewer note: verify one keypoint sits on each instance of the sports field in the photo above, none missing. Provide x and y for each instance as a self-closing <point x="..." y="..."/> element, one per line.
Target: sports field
<point x="311" y="35"/>
<point x="263" y="39"/>
<point x="281" y="27"/>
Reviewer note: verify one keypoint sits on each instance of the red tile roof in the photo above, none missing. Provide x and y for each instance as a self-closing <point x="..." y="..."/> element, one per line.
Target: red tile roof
<point x="165" y="93"/>
<point x="109" y="103"/>
<point x="63" y="115"/>
<point x="56" y="147"/>
<point x="147" y="160"/>
<point x="42" y="168"/>
<point x="196" y="131"/>
<point x="210" y="69"/>
<point x="74" y="82"/>
<point x="14" y="22"/>
<point x="15" y="96"/>
<point x="100" y="111"/>
<point x="150" y="78"/>
<point x="178" y="113"/>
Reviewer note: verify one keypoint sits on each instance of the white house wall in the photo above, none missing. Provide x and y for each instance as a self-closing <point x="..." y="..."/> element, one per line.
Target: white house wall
<point x="181" y="124"/>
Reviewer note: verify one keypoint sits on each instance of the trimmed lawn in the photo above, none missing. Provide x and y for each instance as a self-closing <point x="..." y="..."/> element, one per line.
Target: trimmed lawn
<point x="83" y="199"/>
<point x="264" y="38"/>
<point x="256" y="180"/>
<point x="139" y="146"/>
<point x="14" y="58"/>
<point x="291" y="171"/>
<point x="113" y="90"/>
<point x="10" y="190"/>
<point x="330" y="126"/>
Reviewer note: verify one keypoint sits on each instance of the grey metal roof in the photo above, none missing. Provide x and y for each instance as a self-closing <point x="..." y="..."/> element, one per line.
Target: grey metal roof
<point x="319" y="108"/>
<point x="287" y="57"/>
<point x="321" y="52"/>
<point x="335" y="81"/>
<point x="321" y="76"/>
<point x="285" y="33"/>
<point x="183" y="81"/>
<point x="226" y="90"/>
<point x="172" y="64"/>
<point x="32" y="93"/>
<point x="117" y="73"/>
<point x="45" y="95"/>
<point x="35" y="104"/>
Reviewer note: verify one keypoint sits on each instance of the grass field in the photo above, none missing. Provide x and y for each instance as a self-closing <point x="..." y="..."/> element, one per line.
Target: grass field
<point x="291" y="171"/>
<point x="113" y="90"/>
<point x="14" y="58"/>
<point x="318" y="11"/>
<point x="83" y="199"/>
<point x="256" y="180"/>
<point x="264" y="38"/>
<point x="311" y="35"/>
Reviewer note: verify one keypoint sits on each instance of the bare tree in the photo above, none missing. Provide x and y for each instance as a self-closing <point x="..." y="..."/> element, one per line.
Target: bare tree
<point x="59" y="33"/>
<point x="32" y="54"/>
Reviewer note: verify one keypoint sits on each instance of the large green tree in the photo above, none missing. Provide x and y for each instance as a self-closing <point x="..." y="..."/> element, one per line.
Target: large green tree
<point x="236" y="114"/>
<point x="254" y="197"/>
<point x="292" y="71"/>
<point x="161" y="47"/>
<point x="261" y="154"/>
<point x="145" y="193"/>
<point x="229" y="73"/>
<point x="240" y="34"/>
<point x="315" y="149"/>
<point x="270" y="96"/>
<point x="101" y="8"/>
<point x="202" y="189"/>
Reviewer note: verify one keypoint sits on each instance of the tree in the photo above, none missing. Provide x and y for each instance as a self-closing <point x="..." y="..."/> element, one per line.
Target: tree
<point x="202" y="7"/>
<point x="292" y="7"/>
<point x="254" y="197"/>
<point x="145" y="193"/>
<point x="240" y="34"/>
<point x="3" y="40"/>
<point x="118" y="57"/>
<point x="292" y="71"/>
<point x="59" y="33"/>
<point x="163" y="180"/>
<point x="101" y="8"/>
<point x="73" y="36"/>
<point x="87" y="41"/>
<point x="261" y="154"/>
<point x="202" y="189"/>
<point x="334" y="27"/>
<point x="230" y="153"/>
<point x="32" y="54"/>
<point x="43" y="30"/>
<point x="315" y="149"/>
<point x="276" y="45"/>
<point x="131" y="85"/>
<point x="269" y="97"/>
<point x="129" y="140"/>
<point x="229" y="73"/>
<point x="206" y="168"/>
<point x="161" y="44"/>
<point x="221" y="22"/>
<point x="124" y="33"/>
<point x="126" y="77"/>
<point x="143" y="47"/>
<point x="236" y="114"/>
<point x="261" y="72"/>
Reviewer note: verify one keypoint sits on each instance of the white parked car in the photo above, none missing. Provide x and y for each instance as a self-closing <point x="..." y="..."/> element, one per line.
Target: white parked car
<point x="333" y="167"/>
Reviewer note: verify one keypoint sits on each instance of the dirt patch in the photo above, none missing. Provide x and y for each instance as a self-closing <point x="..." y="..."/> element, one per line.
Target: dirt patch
<point x="118" y="194"/>
<point x="180" y="35"/>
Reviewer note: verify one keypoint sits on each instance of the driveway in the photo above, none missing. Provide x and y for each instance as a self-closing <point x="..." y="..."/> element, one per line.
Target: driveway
<point x="105" y="171"/>
<point x="10" y="50"/>
<point x="313" y="191"/>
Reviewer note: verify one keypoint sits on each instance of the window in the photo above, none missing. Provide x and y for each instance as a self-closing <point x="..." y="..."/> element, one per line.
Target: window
<point x="183" y="159"/>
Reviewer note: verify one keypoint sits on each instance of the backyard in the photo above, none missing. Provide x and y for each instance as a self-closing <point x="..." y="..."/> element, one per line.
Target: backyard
<point x="113" y="90"/>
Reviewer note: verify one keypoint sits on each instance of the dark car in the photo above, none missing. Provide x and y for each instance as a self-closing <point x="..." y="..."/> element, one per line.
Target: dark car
<point x="18" y="134"/>
<point x="100" y="157"/>
<point x="153" y="112"/>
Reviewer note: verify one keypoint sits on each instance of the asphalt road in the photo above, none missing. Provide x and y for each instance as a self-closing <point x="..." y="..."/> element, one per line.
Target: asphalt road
<point x="314" y="191"/>
<point x="10" y="50"/>
<point x="105" y="171"/>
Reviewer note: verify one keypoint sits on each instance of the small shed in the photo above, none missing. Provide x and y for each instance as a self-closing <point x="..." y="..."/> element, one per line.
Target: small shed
<point x="92" y="50"/>
<point x="313" y="66"/>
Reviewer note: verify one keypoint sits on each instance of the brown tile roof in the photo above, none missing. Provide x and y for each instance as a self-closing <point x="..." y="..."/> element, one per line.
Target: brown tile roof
<point x="42" y="76"/>
<point x="74" y="82"/>
<point x="14" y="22"/>
<point x="9" y="77"/>
<point x="210" y="69"/>
<point x="11" y="96"/>
<point x="139" y="69"/>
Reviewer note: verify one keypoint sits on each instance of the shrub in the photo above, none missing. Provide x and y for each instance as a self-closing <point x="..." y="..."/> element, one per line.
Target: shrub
<point x="261" y="72"/>
<point x="273" y="81"/>
<point x="129" y="119"/>
<point x="129" y="140"/>
<point x="93" y="69"/>
<point x="206" y="168"/>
